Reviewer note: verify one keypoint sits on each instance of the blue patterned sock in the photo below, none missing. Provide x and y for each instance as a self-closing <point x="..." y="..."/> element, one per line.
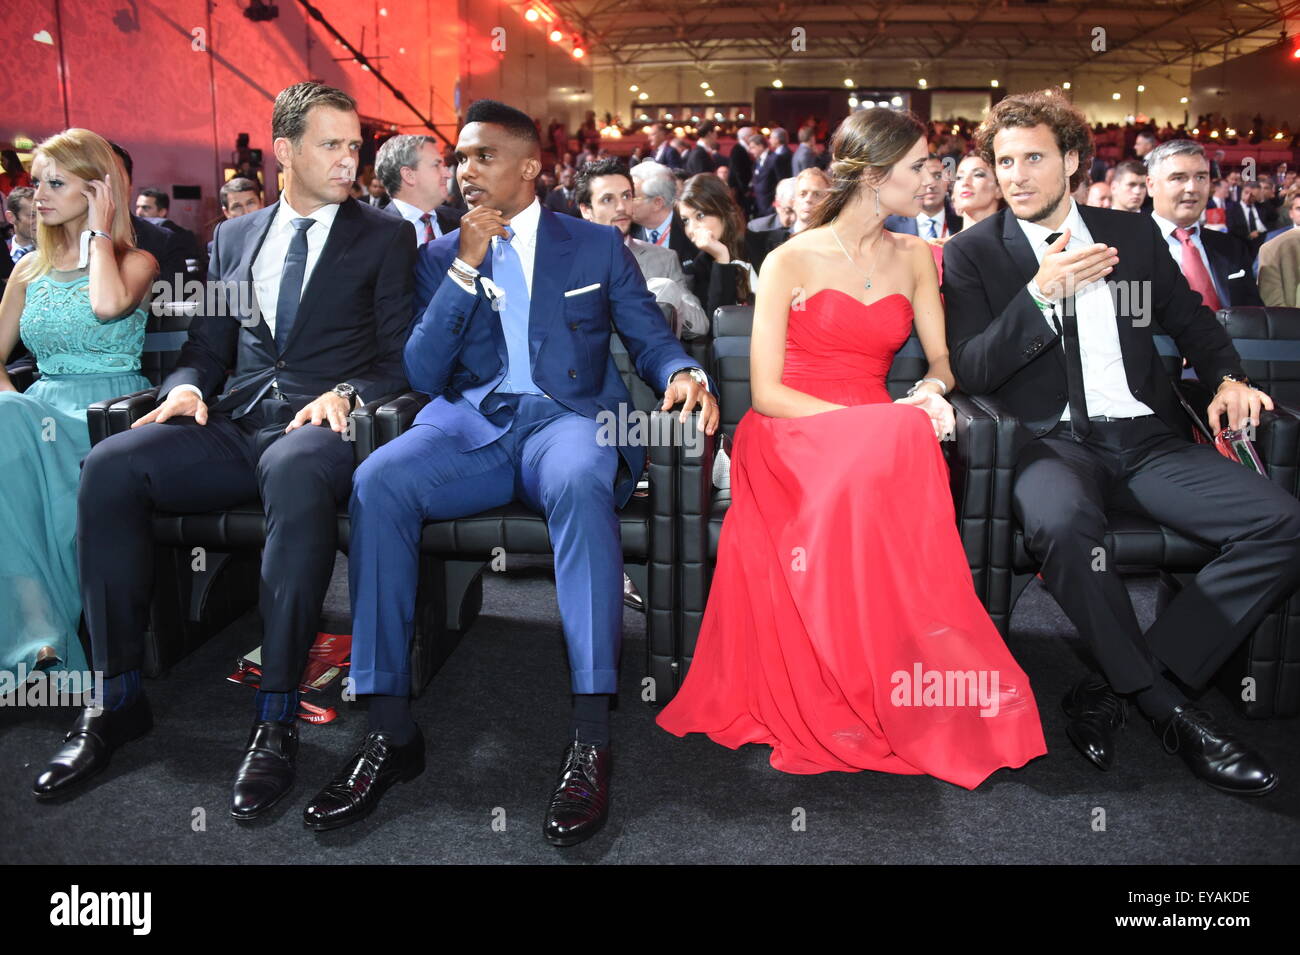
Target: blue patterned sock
<point x="121" y="690"/>
<point x="277" y="707"/>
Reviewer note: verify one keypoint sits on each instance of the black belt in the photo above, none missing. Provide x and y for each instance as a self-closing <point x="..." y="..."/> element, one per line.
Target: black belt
<point x="1103" y="417"/>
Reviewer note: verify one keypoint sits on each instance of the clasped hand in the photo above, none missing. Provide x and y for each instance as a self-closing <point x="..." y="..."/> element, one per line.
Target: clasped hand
<point x="941" y="414"/>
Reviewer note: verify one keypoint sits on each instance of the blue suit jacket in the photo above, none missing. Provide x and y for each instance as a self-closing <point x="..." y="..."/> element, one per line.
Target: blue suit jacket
<point x="457" y="351"/>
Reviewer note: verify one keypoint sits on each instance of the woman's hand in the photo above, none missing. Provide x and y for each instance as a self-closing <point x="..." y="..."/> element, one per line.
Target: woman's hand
<point x="704" y="240"/>
<point x="941" y="415"/>
<point x="100" y="208"/>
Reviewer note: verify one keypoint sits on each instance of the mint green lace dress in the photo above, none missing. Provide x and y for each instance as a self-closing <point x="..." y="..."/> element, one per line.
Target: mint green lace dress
<point x="43" y="440"/>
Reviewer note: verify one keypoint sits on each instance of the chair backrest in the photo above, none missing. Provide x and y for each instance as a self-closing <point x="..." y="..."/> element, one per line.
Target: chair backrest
<point x="166" y="330"/>
<point x="730" y="368"/>
<point x="1268" y="341"/>
<point x="731" y="321"/>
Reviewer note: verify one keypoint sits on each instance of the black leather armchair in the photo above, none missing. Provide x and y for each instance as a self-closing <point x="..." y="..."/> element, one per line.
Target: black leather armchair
<point x="1271" y="655"/>
<point x="194" y="598"/>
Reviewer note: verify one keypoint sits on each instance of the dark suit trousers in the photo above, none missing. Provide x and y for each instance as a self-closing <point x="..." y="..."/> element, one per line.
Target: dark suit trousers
<point x="182" y="467"/>
<point x="1061" y="494"/>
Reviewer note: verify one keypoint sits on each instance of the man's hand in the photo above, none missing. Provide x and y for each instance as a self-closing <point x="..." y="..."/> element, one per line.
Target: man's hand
<point x="685" y="388"/>
<point x="180" y="403"/>
<point x="1242" y="404"/>
<point x="329" y="407"/>
<point x="477" y="227"/>
<point x="942" y="418"/>
<point x="1063" y="274"/>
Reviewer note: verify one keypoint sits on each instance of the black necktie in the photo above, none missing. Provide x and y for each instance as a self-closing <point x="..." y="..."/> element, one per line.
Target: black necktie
<point x="1079" y="423"/>
<point x="295" y="267"/>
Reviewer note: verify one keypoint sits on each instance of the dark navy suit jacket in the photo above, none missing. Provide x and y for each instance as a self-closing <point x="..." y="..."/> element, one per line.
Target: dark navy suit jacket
<point x="457" y="350"/>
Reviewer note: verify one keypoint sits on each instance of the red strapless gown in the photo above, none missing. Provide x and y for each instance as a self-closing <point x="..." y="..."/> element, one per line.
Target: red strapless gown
<point x="843" y="628"/>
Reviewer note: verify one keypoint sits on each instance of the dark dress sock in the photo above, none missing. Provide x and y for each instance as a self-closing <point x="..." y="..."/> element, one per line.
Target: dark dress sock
<point x="590" y="723"/>
<point x="1159" y="700"/>
<point x="391" y="715"/>
<point x="277" y="707"/>
<point x="121" y="690"/>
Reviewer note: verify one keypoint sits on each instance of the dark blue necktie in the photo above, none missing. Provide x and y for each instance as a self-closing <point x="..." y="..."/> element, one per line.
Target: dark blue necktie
<point x="295" y="267"/>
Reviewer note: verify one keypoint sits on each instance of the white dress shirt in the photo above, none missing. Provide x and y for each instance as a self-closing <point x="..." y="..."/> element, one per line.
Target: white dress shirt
<point x="1105" y="385"/>
<point x="1176" y="249"/>
<point x="940" y="221"/>
<point x="269" y="264"/>
<point x="412" y="215"/>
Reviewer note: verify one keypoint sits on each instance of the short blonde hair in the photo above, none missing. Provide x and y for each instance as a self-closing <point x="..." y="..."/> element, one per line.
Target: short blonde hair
<point x="88" y="156"/>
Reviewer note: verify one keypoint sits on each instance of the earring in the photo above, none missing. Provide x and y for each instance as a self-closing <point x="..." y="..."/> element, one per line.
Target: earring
<point x="877" y="202"/>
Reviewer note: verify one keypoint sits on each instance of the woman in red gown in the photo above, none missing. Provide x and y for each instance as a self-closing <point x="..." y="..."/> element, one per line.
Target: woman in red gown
<point x="842" y="628"/>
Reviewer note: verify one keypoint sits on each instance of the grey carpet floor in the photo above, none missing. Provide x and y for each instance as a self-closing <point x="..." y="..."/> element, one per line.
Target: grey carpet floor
<point x="496" y="715"/>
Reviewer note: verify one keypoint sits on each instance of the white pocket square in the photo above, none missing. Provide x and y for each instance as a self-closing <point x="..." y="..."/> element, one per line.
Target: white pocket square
<point x="579" y="291"/>
<point x="1236" y="275"/>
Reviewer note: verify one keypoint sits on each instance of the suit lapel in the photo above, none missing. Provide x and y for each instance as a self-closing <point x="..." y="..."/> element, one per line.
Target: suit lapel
<point x="347" y="224"/>
<point x="244" y="273"/>
<point x="1220" y="267"/>
<point x="1017" y="246"/>
<point x="552" y="262"/>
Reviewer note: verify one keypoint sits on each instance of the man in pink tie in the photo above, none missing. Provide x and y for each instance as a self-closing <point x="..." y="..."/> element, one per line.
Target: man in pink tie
<point x="413" y="173"/>
<point x="1215" y="264"/>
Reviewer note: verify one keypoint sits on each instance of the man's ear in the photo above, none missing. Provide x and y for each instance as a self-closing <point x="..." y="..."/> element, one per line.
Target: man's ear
<point x="1071" y="163"/>
<point x="532" y="168"/>
<point x="283" y="149"/>
<point x="586" y="212"/>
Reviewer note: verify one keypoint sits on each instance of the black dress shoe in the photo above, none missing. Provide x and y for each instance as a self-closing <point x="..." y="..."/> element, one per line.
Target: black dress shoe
<point x="89" y="745"/>
<point x="1095" y="714"/>
<point x="371" y="772"/>
<point x="1221" y="760"/>
<point x="580" y="803"/>
<point x="631" y="596"/>
<point x="266" y="773"/>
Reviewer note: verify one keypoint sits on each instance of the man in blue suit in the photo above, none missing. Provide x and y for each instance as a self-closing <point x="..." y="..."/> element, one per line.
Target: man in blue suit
<point x="514" y="315"/>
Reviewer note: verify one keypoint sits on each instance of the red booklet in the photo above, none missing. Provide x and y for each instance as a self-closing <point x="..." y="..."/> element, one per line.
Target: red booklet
<point x="330" y="655"/>
<point x="1216" y="217"/>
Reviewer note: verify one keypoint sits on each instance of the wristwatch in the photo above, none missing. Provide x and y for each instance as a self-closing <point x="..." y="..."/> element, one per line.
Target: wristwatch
<point x="345" y="390"/>
<point x="696" y="373"/>
<point x="1239" y="379"/>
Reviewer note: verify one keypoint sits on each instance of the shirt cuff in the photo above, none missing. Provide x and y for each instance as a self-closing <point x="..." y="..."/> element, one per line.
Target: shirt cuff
<point x="705" y="383"/>
<point x="177" y="388"/>
<point x="459" y="265"/>
<point x="1045" y="305"/>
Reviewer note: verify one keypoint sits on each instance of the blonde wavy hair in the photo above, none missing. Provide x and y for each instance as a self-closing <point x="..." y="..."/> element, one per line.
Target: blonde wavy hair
<point x="88" y="156"/>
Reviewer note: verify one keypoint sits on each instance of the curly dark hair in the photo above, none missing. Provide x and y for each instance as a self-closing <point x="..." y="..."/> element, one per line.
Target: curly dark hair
<point x="1048" y="108"/>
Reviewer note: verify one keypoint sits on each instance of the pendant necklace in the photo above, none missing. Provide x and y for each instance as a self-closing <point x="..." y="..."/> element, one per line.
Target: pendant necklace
<point x="850" y="258"/>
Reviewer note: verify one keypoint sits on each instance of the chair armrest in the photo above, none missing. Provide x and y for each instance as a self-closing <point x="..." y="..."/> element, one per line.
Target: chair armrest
<point x="364" y="425"/>
<point x="116" y="415"/>
<point x="681" y="489"/>
<point x="1277" y="442"/>
<point x="23" y="373"/>
<point x="395" y="416"/>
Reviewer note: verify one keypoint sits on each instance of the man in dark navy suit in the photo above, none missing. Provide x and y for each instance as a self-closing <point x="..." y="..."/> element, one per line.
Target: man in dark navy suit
<point x="515" y="311"/>
<point x="332" y="286"/>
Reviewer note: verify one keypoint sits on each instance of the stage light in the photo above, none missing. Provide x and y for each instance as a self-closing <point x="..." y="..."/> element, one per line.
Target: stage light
<point x="1296" y="54"/>
<point x="777" y="83"/>
<point x="994" y="83"/>
<point x="740" y="116"/>
<point x="717" y="116"/>
<point x="695" y="119"/>
<point x="704" y="85"/>
<point x="1277" y="135"/>
<point x="579" y="52"/>
<point x="853" y="102"/>
<point x="1114" y="96"/>
<point x="766" y="130"/>
<point x="921" y="82"/>
<point x="1230" y="131"/>
<point x="708" y="92"/>
<point x="868" y="104"/>
<point x="556" y="36"/>
<point x="896" y="101"/>
<point x="1196" y="130"/>
<point x="1183" y="100"/>
<point x="668" y="115"/>
<point x="633" y="88"/>
<point x="1214" y="134"/>
<point x="1065" y="85"/>
<point x="531" y="15"/>
<point x="643" y="95"/>
<point x="848" y="81"/>
<point x="1141" y="88"/>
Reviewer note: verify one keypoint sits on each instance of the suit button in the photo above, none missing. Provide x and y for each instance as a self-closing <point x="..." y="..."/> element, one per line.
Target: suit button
<point x="572" y="373"/>
<point x="280" y="363"/>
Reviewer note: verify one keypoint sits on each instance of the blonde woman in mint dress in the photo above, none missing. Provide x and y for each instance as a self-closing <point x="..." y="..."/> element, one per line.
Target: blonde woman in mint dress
<point x="77" y="302"/>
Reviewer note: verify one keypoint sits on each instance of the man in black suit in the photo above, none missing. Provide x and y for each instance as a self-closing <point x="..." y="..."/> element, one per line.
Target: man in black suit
<point x="700" y="159"/>
<point x="741" y="164"/>
<point x="332" y="282"/>
<point x="414" y="175"/>
<point x="564" y="197"/>
<point x="1033" y="323"/>
<point x="1245" y="220"/>
<point x="1216" y="265"/>
<point x="661" y="147"/>
<point x="153" y="205"/>
<point x="769" y="170"/>
<point x="654" y="211"/>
